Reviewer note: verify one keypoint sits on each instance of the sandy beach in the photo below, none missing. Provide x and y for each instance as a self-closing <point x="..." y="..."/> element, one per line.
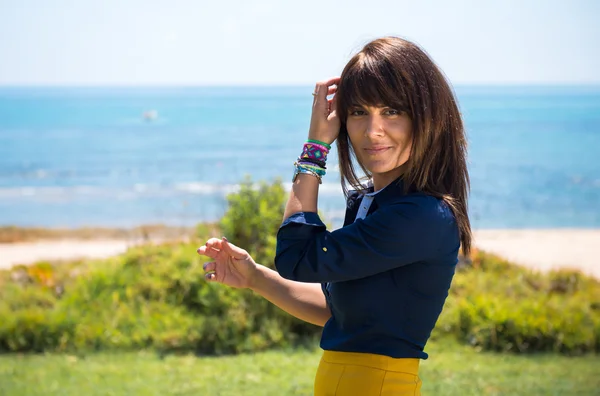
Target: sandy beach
<point x="67" y="249"/>
<point x="545" y="249"/>
<point x="537" y="249"/>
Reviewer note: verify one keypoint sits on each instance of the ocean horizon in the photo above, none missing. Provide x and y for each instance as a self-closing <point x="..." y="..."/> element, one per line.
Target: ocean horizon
<point x="125" y="156"/>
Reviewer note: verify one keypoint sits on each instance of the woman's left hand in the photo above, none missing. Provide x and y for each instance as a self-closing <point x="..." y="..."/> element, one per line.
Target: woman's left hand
<point x="324" y="122"/>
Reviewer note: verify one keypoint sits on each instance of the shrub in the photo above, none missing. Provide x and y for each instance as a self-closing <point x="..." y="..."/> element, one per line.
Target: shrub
<point x="253" y="217"/>
<point x="152" y="296"/>
<point x="539" y="324"/>
<point x="496" y="305"/>
<point x="156" y="297"/>
<point x="34" y="330"/>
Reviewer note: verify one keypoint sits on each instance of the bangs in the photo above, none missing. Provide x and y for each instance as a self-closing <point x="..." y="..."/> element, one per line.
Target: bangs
<point x="371" y="82"/>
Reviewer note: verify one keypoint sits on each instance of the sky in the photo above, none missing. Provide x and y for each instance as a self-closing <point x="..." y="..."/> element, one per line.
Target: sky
<point x="268" y="42"/>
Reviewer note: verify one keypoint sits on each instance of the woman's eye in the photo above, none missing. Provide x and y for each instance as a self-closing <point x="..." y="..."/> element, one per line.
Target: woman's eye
<point x="357" y="112"/>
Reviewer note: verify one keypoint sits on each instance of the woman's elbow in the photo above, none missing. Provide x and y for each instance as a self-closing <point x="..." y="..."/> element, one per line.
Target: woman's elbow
<point x="294" y="265"/>
<point x="322" y="320"/>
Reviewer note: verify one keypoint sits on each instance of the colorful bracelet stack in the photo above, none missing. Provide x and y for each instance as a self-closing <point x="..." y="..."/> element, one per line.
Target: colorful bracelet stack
<point x="313" y="159"/>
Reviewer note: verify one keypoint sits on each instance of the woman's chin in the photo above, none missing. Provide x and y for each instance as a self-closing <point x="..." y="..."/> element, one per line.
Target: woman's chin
<point x="378" y="168"/>
<point x="383" y="169"/>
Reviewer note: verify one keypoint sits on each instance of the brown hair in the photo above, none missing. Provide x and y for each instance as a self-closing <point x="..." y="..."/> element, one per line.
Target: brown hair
<point x="394" y="72"/>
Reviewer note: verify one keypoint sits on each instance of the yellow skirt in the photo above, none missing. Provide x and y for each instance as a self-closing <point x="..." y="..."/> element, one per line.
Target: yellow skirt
<point x="366" y="374"/>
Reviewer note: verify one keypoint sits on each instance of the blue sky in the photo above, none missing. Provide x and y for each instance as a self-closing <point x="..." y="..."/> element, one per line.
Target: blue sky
<point x="227" y="42"/>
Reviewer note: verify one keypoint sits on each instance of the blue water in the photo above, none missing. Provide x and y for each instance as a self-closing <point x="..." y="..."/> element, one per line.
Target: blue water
<point x="86" y="156"/>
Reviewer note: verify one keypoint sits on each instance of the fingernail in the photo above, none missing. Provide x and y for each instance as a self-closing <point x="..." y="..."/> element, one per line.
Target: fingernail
<point x="204" y="266"/>
<point x="225" y="239"/>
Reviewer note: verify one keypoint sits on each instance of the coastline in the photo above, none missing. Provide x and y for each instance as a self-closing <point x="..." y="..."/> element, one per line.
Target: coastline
<point x="545" y="249"/>
<point x="538" y="249"/>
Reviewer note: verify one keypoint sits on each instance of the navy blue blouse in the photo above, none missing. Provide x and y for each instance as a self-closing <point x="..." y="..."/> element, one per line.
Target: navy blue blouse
<point x="385" y="277"/>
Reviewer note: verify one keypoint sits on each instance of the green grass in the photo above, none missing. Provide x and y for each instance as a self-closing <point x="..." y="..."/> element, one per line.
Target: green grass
<point x="452" y="369"/>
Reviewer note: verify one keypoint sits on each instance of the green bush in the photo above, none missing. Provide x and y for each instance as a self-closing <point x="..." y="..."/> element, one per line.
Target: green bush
<point x="496" y="305"/>
<point x="253" y="217"/>
<point x="156" y="297"/>
<point x="152" y="296"/>
<point x="540" y="324"/>
<point x="251" y="222"/>
<point x="34" y="330"/>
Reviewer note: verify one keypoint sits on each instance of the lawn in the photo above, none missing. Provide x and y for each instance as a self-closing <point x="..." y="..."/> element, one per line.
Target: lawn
<point x="452" y="369"/>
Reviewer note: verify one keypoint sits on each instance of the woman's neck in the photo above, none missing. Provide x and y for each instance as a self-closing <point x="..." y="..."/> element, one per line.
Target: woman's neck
<point x="382" y="180"/>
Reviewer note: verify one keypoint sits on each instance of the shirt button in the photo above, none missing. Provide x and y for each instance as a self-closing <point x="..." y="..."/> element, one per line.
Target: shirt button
<point x="324" y="249"/>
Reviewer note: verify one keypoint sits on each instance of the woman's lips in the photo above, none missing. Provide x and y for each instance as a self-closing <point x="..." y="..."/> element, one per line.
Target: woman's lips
<point x="376" y="150"/>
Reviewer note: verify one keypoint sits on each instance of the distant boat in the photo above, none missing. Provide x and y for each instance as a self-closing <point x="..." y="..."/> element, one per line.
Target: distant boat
<point x="150" y="115"/>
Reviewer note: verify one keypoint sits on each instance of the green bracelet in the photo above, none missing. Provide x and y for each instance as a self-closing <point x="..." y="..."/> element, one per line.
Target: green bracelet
<point x="319" y="142"/>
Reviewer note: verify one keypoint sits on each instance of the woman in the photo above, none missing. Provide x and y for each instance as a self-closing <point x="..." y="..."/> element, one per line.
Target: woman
<point x="379" y="283"/>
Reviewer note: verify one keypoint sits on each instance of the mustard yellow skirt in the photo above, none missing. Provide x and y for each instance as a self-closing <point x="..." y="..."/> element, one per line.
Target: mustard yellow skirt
<point x="365" y="374"/>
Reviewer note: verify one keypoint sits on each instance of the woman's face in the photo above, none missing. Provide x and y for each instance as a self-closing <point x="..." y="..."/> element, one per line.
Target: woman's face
<point x="382" y="139"/>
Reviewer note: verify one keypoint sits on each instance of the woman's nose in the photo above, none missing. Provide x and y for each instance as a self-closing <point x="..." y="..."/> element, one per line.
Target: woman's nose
<point x="374" y="126"/>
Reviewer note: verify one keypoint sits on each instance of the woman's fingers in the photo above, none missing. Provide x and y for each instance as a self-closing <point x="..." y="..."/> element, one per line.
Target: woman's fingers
<point x="211" y="248"/>
<point x="233" y="250"/>
<point x="208" y="251"/>
<point x="210" y="269"/>
<point x="325" y="88"/>
<point x="330" y="82"/>
<point x="214" y="243"/>
<point x="333" y="101"/>
<point x="221" y="251"/>
<point x="204" y="251"/>
<point x="332" y="107"/>
<point x="324" y="123"/>
<point x="210" y="266"/>
<point x="330" y="91"/>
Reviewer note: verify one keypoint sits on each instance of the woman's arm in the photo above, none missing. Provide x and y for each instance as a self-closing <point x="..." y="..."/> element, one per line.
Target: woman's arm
<point x="305" y="301"/>
<point x="303" y="197"/>
<point x="324" y="127"/>
<point x="407" y="230"/>
<point x="233" y="266"/>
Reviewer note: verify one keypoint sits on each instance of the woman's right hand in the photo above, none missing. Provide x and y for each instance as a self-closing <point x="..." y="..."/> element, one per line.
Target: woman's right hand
<point x="324" y="122"/>
<point x="231" y="265"/>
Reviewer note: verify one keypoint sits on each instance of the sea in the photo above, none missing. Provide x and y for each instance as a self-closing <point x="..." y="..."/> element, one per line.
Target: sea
<point x="127" y="156"/>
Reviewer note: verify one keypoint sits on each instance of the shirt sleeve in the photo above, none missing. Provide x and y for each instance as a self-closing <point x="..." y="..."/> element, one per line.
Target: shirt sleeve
<point x="392" y="236"/>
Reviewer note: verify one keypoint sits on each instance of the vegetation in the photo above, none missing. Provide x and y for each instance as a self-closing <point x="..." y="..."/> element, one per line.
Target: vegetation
<point x="499" y="306"/>
<point x="155" y="297"/>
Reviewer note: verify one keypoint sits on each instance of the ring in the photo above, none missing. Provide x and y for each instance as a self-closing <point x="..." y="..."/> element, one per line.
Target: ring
<point x="314" y="94"/>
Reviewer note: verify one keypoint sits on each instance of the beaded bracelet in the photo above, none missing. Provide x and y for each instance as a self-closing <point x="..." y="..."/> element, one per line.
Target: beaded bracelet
<point x="313" y="159"/>
<point x="314" y="151"/>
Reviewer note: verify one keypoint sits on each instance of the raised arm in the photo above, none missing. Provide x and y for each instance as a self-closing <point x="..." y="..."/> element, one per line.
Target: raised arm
<point x="324" y="127"/>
